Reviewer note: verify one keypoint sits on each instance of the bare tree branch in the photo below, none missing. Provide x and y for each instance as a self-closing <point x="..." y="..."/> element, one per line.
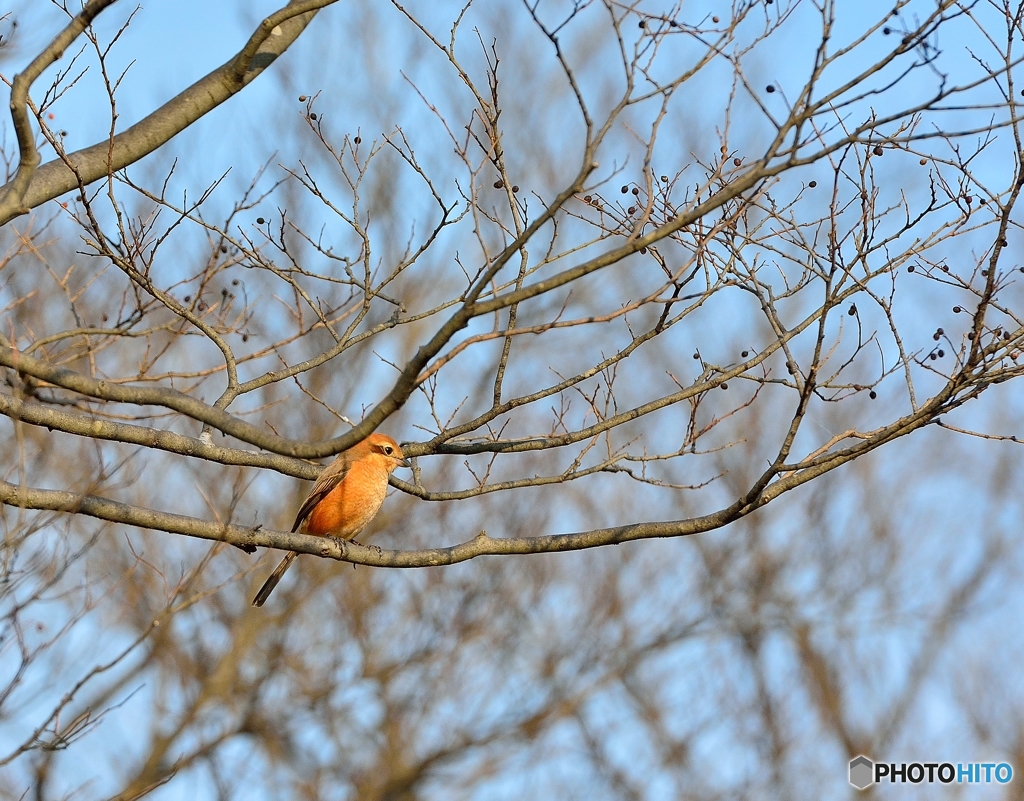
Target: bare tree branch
<point x="34" y="185"/>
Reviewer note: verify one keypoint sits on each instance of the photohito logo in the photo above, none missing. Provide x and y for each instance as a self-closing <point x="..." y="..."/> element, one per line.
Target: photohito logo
<point x="864" y="772"/>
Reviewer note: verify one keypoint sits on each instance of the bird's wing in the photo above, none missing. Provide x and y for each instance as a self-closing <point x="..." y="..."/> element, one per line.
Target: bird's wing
<point x="329" y="479"/>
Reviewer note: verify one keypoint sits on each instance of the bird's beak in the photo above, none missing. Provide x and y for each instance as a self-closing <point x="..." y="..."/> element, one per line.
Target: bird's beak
<point x="404" y="463"/>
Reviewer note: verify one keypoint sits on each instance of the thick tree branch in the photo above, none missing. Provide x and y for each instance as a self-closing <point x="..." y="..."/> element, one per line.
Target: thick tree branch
<point x="85" y="426"/>
<point x="153" y="396"/>
<point x="32" y="185"/>
<point x="13" y="196"/>
<point x="776" y="481"/>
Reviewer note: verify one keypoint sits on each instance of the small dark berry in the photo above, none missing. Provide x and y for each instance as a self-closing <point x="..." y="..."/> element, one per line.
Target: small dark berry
<point x="1003" y="242"/>
<point x="941" y="353"/>
<point x="723" y="385"/>
<point x="745" y="354"/>
<point x="357" y="139"/>
<point x="911" y="268"/>
<point x="673" y="24"/>
<point x="853" y="309"/>
<point x="957" y="310"/>
<point x="878" y="150"/>
<point x="223" y="248"/>
<point x="643" y="250"/>
<point x="696" y="355"/>
<point x="872" y="394"/>
<point x="313" y="117"/>
<point x="586" y="198"/>
<point x="769" y="88"/>
<point x="245" y="337"/>
<point x="664" y="179"/>
<point x="499" y="184"/>
<point x="515" y="188"/>
<point x="105" y="318"/>
<point x="302" y="98"/>
<point x="636" y="190"/>
<point x="631" y="210"/>
<point x="715" y="19"/>
<point x="935" y="336"/>
<point x="260" y="221"/>
<point x="939" y="331"/>
<point x="188" y="298"/>
<point x="234" y="282"/>
<point x="970" y="335"/>
<point x="737" y="162"/>
<point x="932" y="356"/>
<point x="812" y="184"/>
<point x="886" y="31"/>
<point x="922" y="162"/>
<point x="643" y="23"/>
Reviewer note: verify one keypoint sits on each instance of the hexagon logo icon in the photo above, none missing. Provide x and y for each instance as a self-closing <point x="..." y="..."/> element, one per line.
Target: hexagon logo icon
<point x="862" y="772"/>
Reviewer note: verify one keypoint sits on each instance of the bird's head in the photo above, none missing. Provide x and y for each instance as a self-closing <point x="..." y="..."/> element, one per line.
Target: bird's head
<point x="382" y="447"/>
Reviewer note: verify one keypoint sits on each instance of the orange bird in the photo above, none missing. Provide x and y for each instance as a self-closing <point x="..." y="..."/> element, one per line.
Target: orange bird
<point x="345" y="498"/>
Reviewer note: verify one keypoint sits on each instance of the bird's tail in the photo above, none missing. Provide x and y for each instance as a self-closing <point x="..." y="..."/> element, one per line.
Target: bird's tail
<point x="271" y="582"/>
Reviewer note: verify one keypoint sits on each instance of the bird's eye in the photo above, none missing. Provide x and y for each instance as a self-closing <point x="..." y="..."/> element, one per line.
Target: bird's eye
<point x="387" y="450"/>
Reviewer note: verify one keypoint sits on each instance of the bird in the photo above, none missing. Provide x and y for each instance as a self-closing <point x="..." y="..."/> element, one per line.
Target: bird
<point x="345" y="498"/>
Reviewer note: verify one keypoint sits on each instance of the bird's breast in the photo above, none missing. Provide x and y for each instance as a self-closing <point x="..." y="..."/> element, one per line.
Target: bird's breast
<point x="348" y="508"/>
